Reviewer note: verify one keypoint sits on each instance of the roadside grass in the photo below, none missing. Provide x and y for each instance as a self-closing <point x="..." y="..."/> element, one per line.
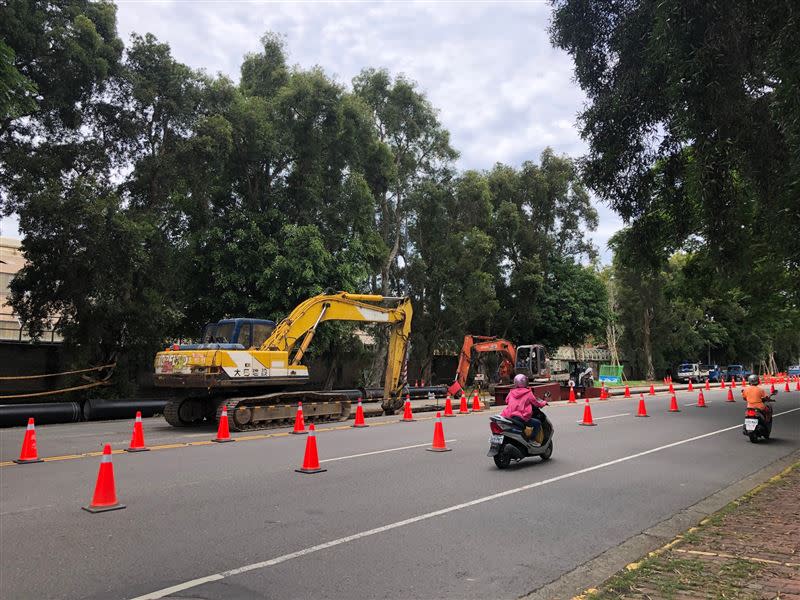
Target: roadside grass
<point x="679" y="571"/>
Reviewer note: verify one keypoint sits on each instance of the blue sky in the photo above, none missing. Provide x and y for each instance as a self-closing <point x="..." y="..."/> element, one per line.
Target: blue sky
<point x="502" y="91"/>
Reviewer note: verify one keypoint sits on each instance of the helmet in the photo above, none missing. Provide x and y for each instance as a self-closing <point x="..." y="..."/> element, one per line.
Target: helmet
<point x="521" y="381"/>
<point x="752" y="379"/>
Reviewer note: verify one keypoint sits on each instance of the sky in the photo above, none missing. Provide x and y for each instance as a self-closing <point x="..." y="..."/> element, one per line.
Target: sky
<point x="501" y="89"/>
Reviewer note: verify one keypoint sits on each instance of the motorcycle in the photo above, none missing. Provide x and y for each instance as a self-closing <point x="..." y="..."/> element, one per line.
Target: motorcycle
<point x="756" y="423"/>
<point x="508" y="441"/>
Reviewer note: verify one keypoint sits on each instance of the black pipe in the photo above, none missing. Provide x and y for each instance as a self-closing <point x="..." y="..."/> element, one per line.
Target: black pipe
<point x="98" y="410"/>
<point x="422" y="392"/>
<point x="12" y="415"/>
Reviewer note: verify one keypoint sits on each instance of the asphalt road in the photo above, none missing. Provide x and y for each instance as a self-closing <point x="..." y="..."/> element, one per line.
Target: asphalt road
<point x="385" y="521"/>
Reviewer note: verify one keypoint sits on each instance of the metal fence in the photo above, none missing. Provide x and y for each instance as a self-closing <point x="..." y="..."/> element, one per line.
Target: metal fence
<point x="13" y="332"/>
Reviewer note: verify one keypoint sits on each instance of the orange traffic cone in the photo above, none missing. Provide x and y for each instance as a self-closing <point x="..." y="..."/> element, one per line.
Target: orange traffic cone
<point x="223" y="433"/>
<point x="627" y="391"/>
<point x="701" y="400"/>
<point x="438" y="444"/>
<point x="797" y="387"/>
<point x="587" y="415"/>
<point x="359" y="422"/>
<point x="105" y="491"/>
<point x="311" y="459"/>
<point x="708" y="385"/>
<point x="652" y="390"/>
<point x="448" y="407"/>
<point x="671" y="389"/>
<point x="571" y="396"/>
<point x="463" y="408"/>
<point x="29" y="454"/>
<point x="299" y="422"/>
<point x="733" y="382"/>
<point x="691" y="387"/>
<point x="603" y="392"/>
<point x="407" y="414"/>
<point x="673" y="404"/>
<point x="137" y="439"/>
<point x="771" y="388"/>
<point x="786" y="387"/>
<point x="476" y="403"/>
<point x="730" y="396"/>
<point x="642" y="408"/>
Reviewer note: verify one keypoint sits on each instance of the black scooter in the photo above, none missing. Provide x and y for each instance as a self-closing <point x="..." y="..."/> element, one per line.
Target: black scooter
<point x="508" y="441"/>
<point x="757" y="423"/>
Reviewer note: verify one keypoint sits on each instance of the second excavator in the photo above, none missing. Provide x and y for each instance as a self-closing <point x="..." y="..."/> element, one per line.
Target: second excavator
<point x="237" y="355"/>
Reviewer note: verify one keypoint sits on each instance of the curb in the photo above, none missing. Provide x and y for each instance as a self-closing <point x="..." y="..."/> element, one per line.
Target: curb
<point x="657" y="538"/>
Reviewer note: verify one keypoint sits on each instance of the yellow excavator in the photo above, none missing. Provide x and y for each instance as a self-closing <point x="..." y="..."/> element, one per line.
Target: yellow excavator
<point x="236" y="355"/>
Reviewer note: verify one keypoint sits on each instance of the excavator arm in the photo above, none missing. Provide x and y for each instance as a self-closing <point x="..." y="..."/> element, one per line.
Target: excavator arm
<point x="474" y="344"/>
<point x="294" y="333"/>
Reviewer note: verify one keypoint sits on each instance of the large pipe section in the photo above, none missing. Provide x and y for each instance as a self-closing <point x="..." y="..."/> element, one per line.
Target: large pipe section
<point x="99" y="410"/>
<point x="13" y="415"/>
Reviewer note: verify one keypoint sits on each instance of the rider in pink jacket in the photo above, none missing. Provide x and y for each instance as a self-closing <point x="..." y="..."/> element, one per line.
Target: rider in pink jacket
<point x="520" y="403"/>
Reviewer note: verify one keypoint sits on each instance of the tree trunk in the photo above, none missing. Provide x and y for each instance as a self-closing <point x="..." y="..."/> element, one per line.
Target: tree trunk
<point x="650" y="374"/>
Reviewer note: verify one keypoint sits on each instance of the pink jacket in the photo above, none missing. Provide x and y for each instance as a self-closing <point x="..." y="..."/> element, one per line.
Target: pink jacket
<point x="520" y="403"/>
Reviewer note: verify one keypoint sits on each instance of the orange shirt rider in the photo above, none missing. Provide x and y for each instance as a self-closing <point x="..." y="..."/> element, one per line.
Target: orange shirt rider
<point x="754" y="396"/>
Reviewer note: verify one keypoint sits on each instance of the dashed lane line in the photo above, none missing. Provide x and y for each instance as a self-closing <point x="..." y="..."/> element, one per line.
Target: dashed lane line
<point x="424" y="517"/>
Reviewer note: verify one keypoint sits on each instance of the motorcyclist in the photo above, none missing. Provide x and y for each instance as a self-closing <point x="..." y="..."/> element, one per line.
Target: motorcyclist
<point x="754" y="396"/>
<point x="520" y="404"/>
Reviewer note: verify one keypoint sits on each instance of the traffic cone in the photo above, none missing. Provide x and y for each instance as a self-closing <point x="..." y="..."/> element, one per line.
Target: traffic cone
<point x="299" y="422"/>
<point x="438" y="444"/>
<point x="571" y="396"/>
<point x="797" y="387"/>
<point x="29" y="454"/>
<point x="642" y="408"/>
<point x="603" y="392"/>
<point x="311" y="459"/>
<point x="722" y="383"/>
<point x="652" y="390"/>
<point x="733" y="382"/>
<point x="701" y="400"/>
<point x="786" y="387"/>
<point x="673" y="404"/>
<point x="105" y="491"/>
<point x="691" y="387"/>
<point x="671" y="389"/>
<point x="463" y="408"/>
<point x="476" y="403"/>
<point x="359" y="422"/>
<point x="587" y="415"/>
<point x="708" y="385"/>
<point x="771" y="388"/>
<point x="137" y="439"/>
<point x="627" y="391"/>
<point x="407" y="414"/>
<point x="730" y="396"/>
<point x="223" y="433"/>
<point x="448" y="407"/>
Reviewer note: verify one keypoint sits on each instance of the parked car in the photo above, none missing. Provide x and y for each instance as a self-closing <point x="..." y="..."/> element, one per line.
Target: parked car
<point x="736" y="371"/>
<point x="690" y="372"/>
<point x="793" y="370"/>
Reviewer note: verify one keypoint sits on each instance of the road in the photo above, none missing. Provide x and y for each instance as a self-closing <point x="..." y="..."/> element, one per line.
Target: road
<point x="387" y="519"/>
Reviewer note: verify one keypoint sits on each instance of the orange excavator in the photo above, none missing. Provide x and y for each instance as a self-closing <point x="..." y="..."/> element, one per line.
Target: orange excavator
<point x="529" y="360"/>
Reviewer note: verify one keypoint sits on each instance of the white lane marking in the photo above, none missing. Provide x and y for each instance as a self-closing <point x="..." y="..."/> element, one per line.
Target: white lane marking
<point x="380" y="452"/>
<point x="437" y="513"/>
<point x="608" y="417"/>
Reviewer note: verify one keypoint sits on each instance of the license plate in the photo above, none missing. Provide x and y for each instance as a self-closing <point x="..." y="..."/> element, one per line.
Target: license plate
<point x="750" y="424"/>
<point x="496" y="439"/>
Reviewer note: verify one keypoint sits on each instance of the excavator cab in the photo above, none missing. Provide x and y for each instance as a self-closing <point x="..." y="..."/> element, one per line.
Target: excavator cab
<point x="247" y="333"/>
<point x="531" y="361"/>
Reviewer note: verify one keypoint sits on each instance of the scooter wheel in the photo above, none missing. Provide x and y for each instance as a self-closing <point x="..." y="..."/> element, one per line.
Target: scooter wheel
<point x="753" y="438"/>
<point x="502" y="460"/>
<point x="548" y="453"/>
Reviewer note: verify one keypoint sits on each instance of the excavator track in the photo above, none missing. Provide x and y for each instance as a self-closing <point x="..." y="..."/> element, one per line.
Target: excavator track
<point x="185" y="412"/>
<point x="278" y="409"/>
